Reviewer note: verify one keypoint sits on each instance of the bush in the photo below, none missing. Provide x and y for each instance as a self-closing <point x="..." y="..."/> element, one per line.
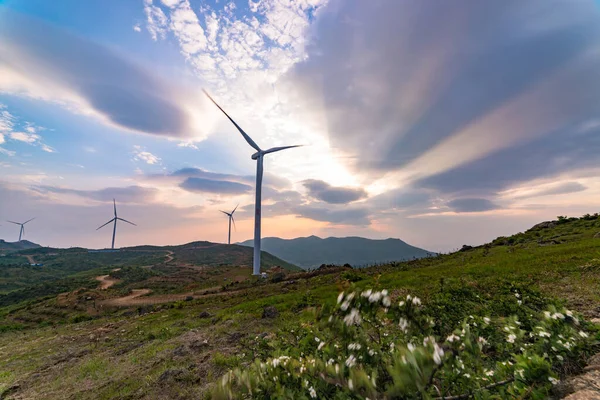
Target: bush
<point x="370" y="347"/>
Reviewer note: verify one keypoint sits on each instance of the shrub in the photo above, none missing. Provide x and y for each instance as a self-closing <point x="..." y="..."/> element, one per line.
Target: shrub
<point x="370" y="347"/>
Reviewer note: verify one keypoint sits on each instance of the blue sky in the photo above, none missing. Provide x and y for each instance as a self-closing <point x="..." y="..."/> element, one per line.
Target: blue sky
<point x="441" y="123"/>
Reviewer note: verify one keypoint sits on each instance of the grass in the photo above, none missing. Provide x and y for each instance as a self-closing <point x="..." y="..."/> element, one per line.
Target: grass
<point x="122" y="353"/>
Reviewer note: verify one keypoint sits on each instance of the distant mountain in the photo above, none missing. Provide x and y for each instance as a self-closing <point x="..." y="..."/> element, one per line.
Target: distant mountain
<point x="216" y="254"/>
<point x="312" y="251"/>
<point x="16" y="246"/>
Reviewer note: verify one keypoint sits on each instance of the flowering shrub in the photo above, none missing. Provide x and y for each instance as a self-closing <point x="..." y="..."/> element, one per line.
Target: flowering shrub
<point x="370" y="347"/>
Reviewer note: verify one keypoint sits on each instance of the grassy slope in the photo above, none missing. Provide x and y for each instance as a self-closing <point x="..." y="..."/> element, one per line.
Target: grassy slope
<point x="123" y="355"/>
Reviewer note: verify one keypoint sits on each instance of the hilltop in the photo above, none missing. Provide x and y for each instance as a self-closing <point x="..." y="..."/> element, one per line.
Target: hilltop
<point x="179" y="339"/>
<point x="312" y="251"/>
<point x="15" y="246"/>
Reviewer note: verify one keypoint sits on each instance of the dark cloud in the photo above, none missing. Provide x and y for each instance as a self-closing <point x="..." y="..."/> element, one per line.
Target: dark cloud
<point x="203" y="185"/>
<point x="471" y="205"/>
<point x="346" y="216"/>
<point x="397" y="78"/>
<point x="546" y="157"/>
<point x="125" y="93"/>
<point x="401" y="198"/>
<point x="333" y="194"/>
<point x="129" y="194"/>
<point x="563" y="188"/>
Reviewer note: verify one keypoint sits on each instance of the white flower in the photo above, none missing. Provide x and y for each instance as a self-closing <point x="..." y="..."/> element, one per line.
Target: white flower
<point x="386" y="301"/>
<point x="345" y="305"/>
<point x="583" y="334"/>
<point x="489" y="373"/>
<point x="317" y="339"/>
<point x="321" y="345"/>
<point x="384" y="292"/>
<point x="520" y="372"/>
<point x="511" y="338"/>
<point x="569" y="313"/>
<point x="547" y="315"/>
<point x="452" y="338"/>
<point x="366" y="293"/>
<point x="411" y="347"/>
<point x="486" y="320"/>
<point x="482" y="340"/>
<point x="353" y="318"/>
<point x="403" y="324"/>
<point x="560" y="358"/>
<point x="372" y="352"/>
<point x="312" y="392"/>
<point x="552" y="380"/>
<point x="519" y="302"/>
<point x="350" y="385"/>
<point x="517" y="295"/>
<point x="375" y="297"/>
<point x="467" y="375"/>
<point x="354" y="346"/>
<point x="337" y="369"/>
<point x="416" y="301"/>
<point x="340" y="297"/>
<point x="351" y="361"/>
<point x="438" y="353"/>
<point x="401" y="303"/>
<point x="558" y="316"/>
<point x="543" y="333"/>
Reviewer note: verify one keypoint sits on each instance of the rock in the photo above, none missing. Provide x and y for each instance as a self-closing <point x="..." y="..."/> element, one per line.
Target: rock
<point x="10" y="390"/>
<point x="199" y="344"/>
<point x="171" y="375"/>
<point x="270" y="312"/>
<point x="235" y="337"/>
<point x="544" y="225"/>
<point x="180" y="351"/>
<point x="204" y="314"/>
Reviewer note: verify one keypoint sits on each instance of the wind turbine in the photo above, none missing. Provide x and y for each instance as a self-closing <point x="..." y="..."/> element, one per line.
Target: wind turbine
<point x="22" y="230"/>
<point x="115" y="225"/>
<point x="258" y="156"/>
<point x="230" y="215"/>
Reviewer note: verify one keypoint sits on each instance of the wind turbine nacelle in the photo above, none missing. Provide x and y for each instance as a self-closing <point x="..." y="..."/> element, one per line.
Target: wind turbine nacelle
<point x="256" y="155"/>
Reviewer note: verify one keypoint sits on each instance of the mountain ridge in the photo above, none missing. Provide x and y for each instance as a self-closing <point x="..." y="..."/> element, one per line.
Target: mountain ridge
<point x="311" y="251"/>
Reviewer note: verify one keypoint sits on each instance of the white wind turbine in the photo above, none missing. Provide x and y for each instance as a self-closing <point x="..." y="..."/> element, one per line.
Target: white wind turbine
<point x="115" y="226"/>
<point x="230" y="215"/>
<point x="258" y="156"/>
<point x="22" y="230"/>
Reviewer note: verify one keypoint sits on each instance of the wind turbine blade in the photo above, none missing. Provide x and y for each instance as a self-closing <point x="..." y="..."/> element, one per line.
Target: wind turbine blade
<point x="13" y="222"/>
<point x="28" y="220"/>
<point x="234" y="227"/>
<point x="226" y="213"/>
<point x="244" y="134"/>
<point x="106" y="223"/>
<point x="235" y="209"/>
<point x="124" y="220"/>
<point x="115" y="205"/>
<point x="275" y="149"/>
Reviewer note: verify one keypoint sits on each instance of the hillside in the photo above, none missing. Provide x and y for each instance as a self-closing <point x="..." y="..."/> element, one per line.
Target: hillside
<point x="124" y="342"/>
<point x="310" y="252"/>
<point x="15" y="246"/>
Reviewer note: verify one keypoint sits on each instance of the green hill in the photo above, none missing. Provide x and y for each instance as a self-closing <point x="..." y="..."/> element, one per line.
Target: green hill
<point x="16" y="246"/>
<point x="173" y="348"/>
<point x="312" y="251"/>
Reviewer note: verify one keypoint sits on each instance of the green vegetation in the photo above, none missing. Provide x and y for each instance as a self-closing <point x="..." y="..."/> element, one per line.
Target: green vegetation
<point x="179" y="347"/>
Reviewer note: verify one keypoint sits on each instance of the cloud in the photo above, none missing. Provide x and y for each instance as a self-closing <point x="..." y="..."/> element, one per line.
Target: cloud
<point x="145" y="156"/>
<point x="471" y="205"/>
<point x="156" y="20"/>
<point x="331" y="194"/>
<point x="204" y="185"/>
<point x="137" y="28"/>
<point x="43" y="61"/>
<point x="348" y="216"/>
<point x="422" y="88"/>
<point x="8" y="124"/>
<point x="24" y="137"/>
<point x="551" y="189"/>
<point x="129" y="194"/>
<point x="1" y="138"/>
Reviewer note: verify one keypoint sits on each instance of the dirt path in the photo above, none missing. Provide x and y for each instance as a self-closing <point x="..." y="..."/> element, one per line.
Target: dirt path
<point x="30" y="259"/>
<point x="136" y="299"/>
<point x="106" y="281"/>
<point x="128" y="300"/>
<point x="168" y="257"/>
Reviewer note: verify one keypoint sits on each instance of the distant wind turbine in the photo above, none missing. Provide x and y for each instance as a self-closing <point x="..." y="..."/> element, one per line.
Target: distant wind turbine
<point x="115" y="225"/>
<point x="230" y="215"/>
<point x="22" y="230"/>
<point x="258" y="156"/>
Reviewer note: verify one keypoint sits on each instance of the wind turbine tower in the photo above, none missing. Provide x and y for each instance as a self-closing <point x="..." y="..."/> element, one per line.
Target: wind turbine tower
<point x="230" y="215"/>
<point x="258" y="156"/>
<point x="22" y="230"/>
<point x="114" y="220"/>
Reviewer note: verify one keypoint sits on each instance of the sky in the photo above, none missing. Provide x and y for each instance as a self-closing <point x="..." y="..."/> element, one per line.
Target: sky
<point x="439" y="123"/>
